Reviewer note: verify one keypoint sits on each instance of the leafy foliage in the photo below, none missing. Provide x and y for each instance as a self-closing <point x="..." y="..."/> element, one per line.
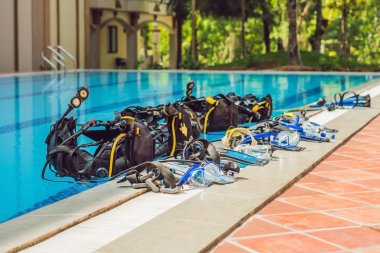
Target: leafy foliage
<point x="219" y="32"/>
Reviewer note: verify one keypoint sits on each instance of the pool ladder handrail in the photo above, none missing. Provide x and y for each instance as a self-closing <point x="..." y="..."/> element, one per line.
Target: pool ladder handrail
<point x="58" y="57"/>
<point x="68" y="54"/>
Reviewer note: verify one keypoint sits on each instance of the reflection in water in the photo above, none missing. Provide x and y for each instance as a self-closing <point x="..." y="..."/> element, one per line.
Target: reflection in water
<point x="34" y="102"/>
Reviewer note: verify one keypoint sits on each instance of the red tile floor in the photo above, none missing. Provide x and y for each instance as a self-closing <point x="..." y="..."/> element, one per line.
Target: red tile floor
<point x="335" y="208"/>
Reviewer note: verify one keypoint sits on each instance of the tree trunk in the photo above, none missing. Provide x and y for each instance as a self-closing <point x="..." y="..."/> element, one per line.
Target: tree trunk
<point x="266" y="25"/>
<point x="179" y="41"/>
<point x="344" y="47"/>
<point x="315" y="40"/>
<point x="293" y="52"/>
<point x="242" y="38"/>
<point x="194" y="53"/>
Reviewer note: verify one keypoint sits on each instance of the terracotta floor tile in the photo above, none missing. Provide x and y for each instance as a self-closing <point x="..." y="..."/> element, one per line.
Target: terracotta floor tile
<point x="375" y="170"/>
<point x="322" y="202"/>
<point x="367" y="134"/>
<point x="347" y="174"/>
<point x="359" y="164"/>
<point x="350" y="237"/>
<point x="368" y="139"/>
<point x="258" y="227"/>
<point x="307" y="221"/>
<point x="370" y="130"/>
<point x="373" y="183"/>
<point x="287" y="243"/>
<point x="338" y="157"/>
<point x="364" y="215"/>
<point x="347" y="149"/>
<point x="372" y="197"/>
<point x="277" y="207"/>
<point x="311" y="178"/>
<point x="372" y="146"/>
<point x="374" y="249"/>
<point x="356" y="143"/>
<point x="325" y="166"/>
<point x="336" y="187"/>
<point x="369" y="154"/>
<point x="295" y="191"/>
<point x="227" y="247"/>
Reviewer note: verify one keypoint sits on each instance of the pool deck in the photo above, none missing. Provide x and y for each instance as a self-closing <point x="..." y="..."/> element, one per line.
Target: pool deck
<point x="196" y="223"/>
<point x="335" y="208"/>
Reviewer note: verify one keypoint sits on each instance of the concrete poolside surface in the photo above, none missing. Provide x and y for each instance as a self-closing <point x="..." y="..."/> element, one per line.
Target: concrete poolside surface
<point x="335" y="208"/>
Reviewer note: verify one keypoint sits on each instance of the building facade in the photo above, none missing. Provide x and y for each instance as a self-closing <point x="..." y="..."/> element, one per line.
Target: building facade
<point x="99" y="33"/>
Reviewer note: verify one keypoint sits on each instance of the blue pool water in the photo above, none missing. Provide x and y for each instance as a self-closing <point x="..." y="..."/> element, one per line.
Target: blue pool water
<point x="30" y="104"/>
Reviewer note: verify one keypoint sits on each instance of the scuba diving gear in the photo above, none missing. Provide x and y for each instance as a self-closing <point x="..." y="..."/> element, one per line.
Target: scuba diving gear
<point x="251" y="108"/>
<point x="170" y="125"/>
<point x="152" y="175"/>
<point x="179" y="127"/>
<point x="263" y="152"/>
<point x="216" y="113"/>
<point x="348" y="99"/>
<point x="352" y="99"/>
<point x="235" y="136"/>
<point x="309" y="131"/>
<point x="287" y="140"/>
<point x="245" y="109"/>
<point x="276" y="135"/>
<point x="205" y="174"/>
<point x="233" y="141"/>
<point x="171" y="177"/>
<point x="222" y="114"/>
<point x="199" y="150"/>
<point x="128" y="144"/>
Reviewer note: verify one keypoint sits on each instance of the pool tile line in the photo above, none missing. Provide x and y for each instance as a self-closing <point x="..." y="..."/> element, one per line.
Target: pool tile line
<point x="293" y="232"/>
<point x="247" y="249"/>
<point x="122" y="104"/>
<point x="51" y="119"/>
<point x="327" y="212"/>
<point x="338" y="195"/>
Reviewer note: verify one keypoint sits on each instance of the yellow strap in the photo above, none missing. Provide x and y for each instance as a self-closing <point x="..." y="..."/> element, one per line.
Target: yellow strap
<point x="289" y="114"/>
<point x="256" y="108"/>
<point x="164" y="110"/>
<point x="206" y="119"/>
<point x="113" y="153"/>
<point x="174" y="137"/>
<point x="236" y="132"/>
<point x="138" y="131"/>
<point x="128" y="117"/>
<point x="210" y="100"/>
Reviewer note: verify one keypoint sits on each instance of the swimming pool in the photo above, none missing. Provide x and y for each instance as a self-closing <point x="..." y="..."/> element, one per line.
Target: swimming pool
<point x="30" y="104"/>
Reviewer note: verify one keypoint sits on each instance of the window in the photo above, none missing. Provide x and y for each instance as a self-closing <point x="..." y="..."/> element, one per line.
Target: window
<point x="112" y="39"/>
